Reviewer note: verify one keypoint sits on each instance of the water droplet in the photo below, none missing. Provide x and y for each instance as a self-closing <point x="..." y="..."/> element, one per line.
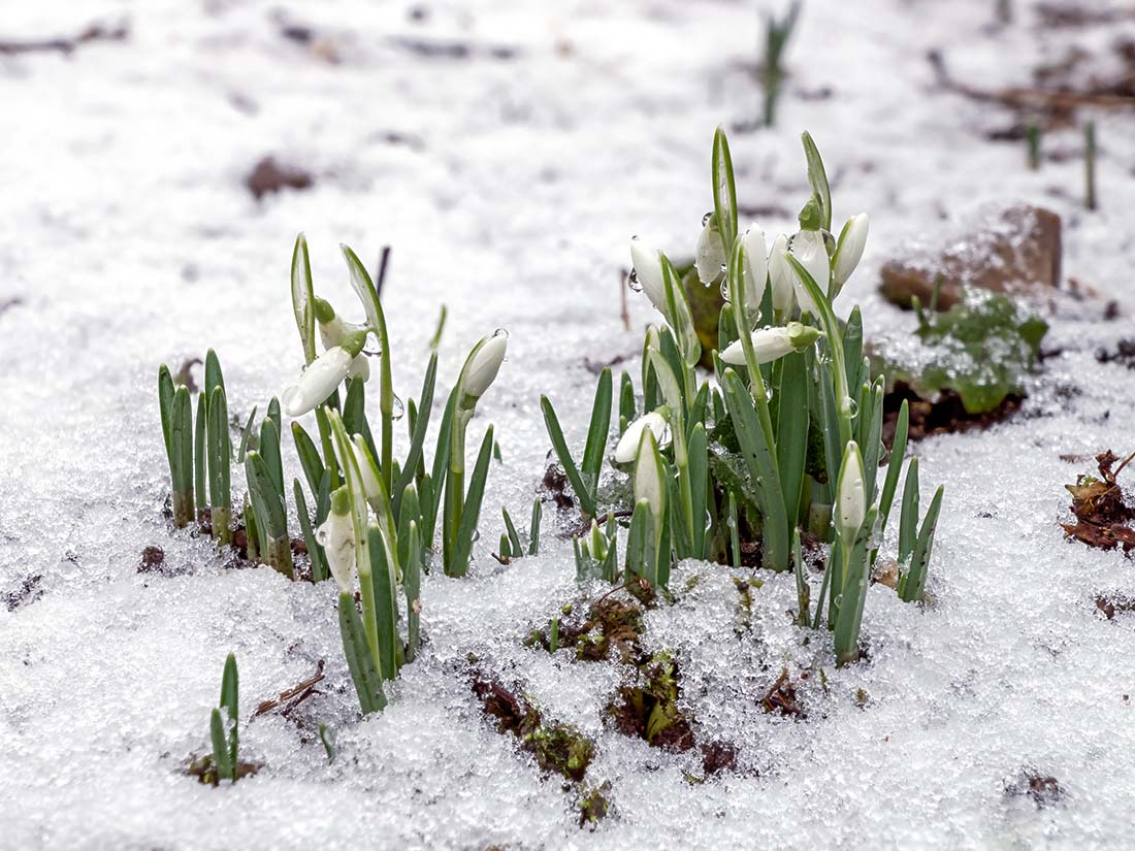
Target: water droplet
<point x="851" y="406"/>
<point x="321" y="535"/>
<point x="398" y="409"/>
<point x="705" y="219"/>
<point x="476" y="535"/>
<point x="633" y="282"/>
<point x="501" y="332"/>
<point x="725" y="290"/>
<point x="634" y="238"/>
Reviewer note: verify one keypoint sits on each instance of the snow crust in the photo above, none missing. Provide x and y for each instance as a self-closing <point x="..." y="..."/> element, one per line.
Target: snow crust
<point x="509" y="193"/>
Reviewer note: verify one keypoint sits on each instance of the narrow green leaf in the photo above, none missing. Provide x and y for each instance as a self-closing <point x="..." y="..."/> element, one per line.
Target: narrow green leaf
<point x="818" y="177"/>
<point x="792" y="431"/>
<point x="803" y="590"/>
<point x="698" y="453"/>
<point x="214" y="378"/>
<point x="898" y="450"/>
<point x="181" y="444"/>
<point x="364" y="673"/>
<point x="355" y="414"/>
<point x="310" y="460"/>
<point x="626" y="401"/>
<point x="472" y="510"/>
<point x="724" y="190"/>
<point x="412" y="585"/>
<point x="873" y="440"/>
<point x="315" y="553"/>
<point x="221" y="755"/>
<point x="598" y="431"/>
<point x="853" y="348"/>
<point x="386" y="603"/>
<point x="513" y="536"/>
<point x="914" y="585"/>
<point x="266" y="500"/>
<point x="908" y="516"/>
<point x="270" y="451"/>
<point x="559" y="444"/>
<point x="640" y="541"/>
<point x="165" y="407"/>
<point x="247" y="436"/>
<point x="274" y="414"/>
<point x="761" y="461"/>
<point x="534" y="527"/>
<point x="854" y="594"/>
<point x="201" y="457"/>
<point x="418" y="437"/>
<point x="220" y="450"/>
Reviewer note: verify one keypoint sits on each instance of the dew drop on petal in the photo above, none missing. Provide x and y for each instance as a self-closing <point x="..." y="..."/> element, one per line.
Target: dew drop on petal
<point x="705" y="219"/>
<point x="633" y="282"/>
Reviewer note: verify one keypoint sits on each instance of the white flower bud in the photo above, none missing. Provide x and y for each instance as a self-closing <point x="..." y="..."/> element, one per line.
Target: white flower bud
<point x="808" y="247"/>
<point x="852" y="495"/>
<point x="648" y="273"/>
<point x="627" y="448"/>
<point x="849" y="251"/>
<point x="782" y="276"/>
<point x="321" y="377"/>
<point x="482" y="370"/>
<point x="650" y="477"/>
<point x="756" y="267"/>
<point x="371" y="486"/>
<point x="709" y="256"/>
<point x="769" y="344"/>
<point x="337" y="537"/>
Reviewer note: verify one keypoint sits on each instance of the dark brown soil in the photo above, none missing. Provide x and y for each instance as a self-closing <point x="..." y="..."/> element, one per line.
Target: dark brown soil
<point x="557" y="748"/>
<point x="1124" y="354"/>
<point x="649" y="710"/>
<point x="203" y="769"/>
<point x="268" y="176"/>
<point x="947" y="415"/>
<point x="152" y="559"/>
<point x="718" y="757"/>
<point x="611" y="622"/>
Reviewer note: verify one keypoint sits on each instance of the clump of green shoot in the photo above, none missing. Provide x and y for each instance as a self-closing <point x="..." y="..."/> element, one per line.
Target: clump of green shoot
<point x="223" y="763"/>
<point x="511" y="545"/>
<point x="786" y="439"/>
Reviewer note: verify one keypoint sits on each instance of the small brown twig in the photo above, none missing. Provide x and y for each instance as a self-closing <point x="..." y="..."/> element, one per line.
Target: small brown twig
<point x="623" y="312"/>
<point x="295" y="695"/>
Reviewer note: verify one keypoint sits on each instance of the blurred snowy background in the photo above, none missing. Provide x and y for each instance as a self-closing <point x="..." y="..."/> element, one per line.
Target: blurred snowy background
<point x="507" y="152"/>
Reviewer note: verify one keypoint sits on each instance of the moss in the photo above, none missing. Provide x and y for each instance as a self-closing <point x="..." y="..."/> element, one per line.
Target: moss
<point x="560" y="748"/>
<point x="594" y="804"/>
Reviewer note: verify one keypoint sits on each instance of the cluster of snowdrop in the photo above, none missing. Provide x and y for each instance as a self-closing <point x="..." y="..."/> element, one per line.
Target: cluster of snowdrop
<point x="374" y="519"/>
<point x="787" y="436"/>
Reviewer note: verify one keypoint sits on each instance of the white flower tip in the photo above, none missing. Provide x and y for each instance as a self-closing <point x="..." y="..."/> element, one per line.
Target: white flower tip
<point x="486" y="364"/>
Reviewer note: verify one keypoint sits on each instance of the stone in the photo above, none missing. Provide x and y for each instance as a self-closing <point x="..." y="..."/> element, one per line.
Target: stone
<point x="1013" y="249"/>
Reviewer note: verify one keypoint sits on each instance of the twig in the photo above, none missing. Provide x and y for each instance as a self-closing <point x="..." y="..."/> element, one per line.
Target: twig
<point x="380" y="277"/>
<point x="93" y="32"/>
<point x="295" y="695"/>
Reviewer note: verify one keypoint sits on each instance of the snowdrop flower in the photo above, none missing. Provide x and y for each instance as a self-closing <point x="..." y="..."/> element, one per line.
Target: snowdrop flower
<point x="782" y="276"/>
<point x="650" y="478"/>
<point x="852" y="495"/>
<point x="371" y="486"/>
<point x="849" y="251"/>
<point x="808" y="247"/>
<point x="333" y="330"/>
<point x="648" y="274"/>
<point x="756" y="268"/>
<point x="482" y="369"/>
<point x="322" y="376"/>
<point x="627" y="448"/>
<point x="769" y="344"/>
<point x="709" y="256"/>
<point x="337" y="537"/>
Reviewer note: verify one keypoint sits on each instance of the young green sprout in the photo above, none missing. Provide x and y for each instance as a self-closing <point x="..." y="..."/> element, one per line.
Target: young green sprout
<point x="777" y="33"/>
<point x="222" y="732"/>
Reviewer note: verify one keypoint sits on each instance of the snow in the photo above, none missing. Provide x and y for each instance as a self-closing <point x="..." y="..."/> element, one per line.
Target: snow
<point x="128" y="241"/>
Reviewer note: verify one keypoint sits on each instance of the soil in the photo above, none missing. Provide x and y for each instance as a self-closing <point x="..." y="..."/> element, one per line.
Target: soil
<point x="1124" y="354"/>
<point x="782" y="699"/>
<point x="610" y="622"/>
<point x="557" y="748"/>
<point x="946" y="415"/>
<point x="649" y="710"/>
<point x="268" y="176"/>
<point x="1115" y="604"/>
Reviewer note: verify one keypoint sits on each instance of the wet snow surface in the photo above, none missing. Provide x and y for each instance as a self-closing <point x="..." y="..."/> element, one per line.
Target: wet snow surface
<point x="508" y="172"/>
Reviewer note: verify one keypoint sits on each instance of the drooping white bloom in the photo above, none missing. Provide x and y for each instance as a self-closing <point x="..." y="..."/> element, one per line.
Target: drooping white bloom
<point x="852" y="494"/>
<point x="769" y="344"/>
<point x="650" y="477"/>
<point x="849" y="250"/>
<point x="627" y="448"/>
<point x="337" y="537"/>
<point x="333" y="330"/>
<point x="486" y="363"/>
<point x="648" y="273"/>
<point x="321" y="377"/>
<point x="756" y="267"/>
<point x="709" y="256"/>
<point x="808" y="247"/>
<point x="782" y="276"/>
